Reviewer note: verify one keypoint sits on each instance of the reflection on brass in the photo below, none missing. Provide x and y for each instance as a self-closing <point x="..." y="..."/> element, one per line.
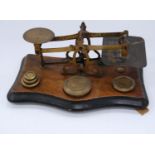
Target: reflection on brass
<point x="120" y="69"/>
<point x="38" y="35"/>
<point x="123" y="83"/>
<point x="29" y="76"/>
<point x="77" y="86"/>
<point x="30" y="79"/>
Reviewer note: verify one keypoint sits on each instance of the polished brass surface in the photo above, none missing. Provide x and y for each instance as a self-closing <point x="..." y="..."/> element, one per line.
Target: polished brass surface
<point x="30" y="79"/>
<point x="120" y="69"/>
<point x="38" y="35"/>
<point x="123" y="83"/>
<point x="85" y="47"/>
<point x="77" y="86"/>
<point x="30" y="75"/>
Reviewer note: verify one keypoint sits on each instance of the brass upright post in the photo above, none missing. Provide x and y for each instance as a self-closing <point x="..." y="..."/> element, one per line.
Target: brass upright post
<point x="37" y="48"/>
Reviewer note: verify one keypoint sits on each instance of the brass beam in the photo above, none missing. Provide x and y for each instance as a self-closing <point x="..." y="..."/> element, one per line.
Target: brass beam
<point x="88" y="47"/>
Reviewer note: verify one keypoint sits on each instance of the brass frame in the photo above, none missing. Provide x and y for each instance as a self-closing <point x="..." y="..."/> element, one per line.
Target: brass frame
<point x="80" y="47"/>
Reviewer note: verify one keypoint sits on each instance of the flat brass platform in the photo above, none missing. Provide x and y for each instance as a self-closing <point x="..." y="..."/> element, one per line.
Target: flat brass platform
<point x="50" y="90"/>
<point x="123" y="83"/>
<point x="77" y="86"/>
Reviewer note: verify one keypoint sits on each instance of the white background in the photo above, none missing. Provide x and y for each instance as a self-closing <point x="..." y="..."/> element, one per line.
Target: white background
<point x="47" y="119"/>
<point x="80" y="144"/>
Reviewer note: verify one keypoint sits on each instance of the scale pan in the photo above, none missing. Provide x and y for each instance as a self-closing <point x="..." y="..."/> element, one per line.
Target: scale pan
<point x="38" y="35"/>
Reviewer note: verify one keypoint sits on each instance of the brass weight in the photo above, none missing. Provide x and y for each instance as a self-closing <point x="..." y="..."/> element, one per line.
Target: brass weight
<point x="30" y="79"/>
<point x="123" y="84"/>
<point x="77" y="86"/>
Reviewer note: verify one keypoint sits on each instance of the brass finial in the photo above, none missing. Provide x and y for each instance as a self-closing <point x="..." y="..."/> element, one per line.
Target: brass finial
<point x="83" y="26"/>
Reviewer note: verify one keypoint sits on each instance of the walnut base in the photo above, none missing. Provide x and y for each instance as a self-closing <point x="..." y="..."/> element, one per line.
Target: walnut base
<point x="50" y="90"/>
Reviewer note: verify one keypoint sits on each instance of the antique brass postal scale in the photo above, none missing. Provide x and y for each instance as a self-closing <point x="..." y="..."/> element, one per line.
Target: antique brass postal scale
<point x="78" y="81"/>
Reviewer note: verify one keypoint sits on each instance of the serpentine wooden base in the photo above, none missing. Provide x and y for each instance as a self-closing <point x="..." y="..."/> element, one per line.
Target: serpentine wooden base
<point x="50" y="90"/>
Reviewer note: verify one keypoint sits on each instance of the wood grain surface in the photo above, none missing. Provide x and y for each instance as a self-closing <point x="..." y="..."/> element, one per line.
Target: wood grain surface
<point x="52" y="81"/>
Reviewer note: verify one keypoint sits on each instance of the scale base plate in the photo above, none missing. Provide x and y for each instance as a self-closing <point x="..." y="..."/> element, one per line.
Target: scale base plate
<point x="50" y="90"/>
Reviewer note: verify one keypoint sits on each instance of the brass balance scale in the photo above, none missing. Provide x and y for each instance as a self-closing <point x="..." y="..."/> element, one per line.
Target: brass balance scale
<point x="79" y="82"/>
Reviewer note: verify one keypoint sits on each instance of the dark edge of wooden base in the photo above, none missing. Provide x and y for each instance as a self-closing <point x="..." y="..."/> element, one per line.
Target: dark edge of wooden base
<point x="137" y="103"/>
<point x="90" y="104"/>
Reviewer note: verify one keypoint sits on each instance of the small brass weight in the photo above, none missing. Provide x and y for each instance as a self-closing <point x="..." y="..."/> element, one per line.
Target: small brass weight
<point x="30" y="79"/>
<point x="123" y="83"/>
<point x="77" y="86"/>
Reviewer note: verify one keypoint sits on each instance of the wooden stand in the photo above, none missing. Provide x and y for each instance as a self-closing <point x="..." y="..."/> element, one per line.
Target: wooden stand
<point x="50" y="90"/>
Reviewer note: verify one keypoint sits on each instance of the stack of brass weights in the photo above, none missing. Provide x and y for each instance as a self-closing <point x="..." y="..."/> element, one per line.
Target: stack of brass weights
<point x="30" y="79"/>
